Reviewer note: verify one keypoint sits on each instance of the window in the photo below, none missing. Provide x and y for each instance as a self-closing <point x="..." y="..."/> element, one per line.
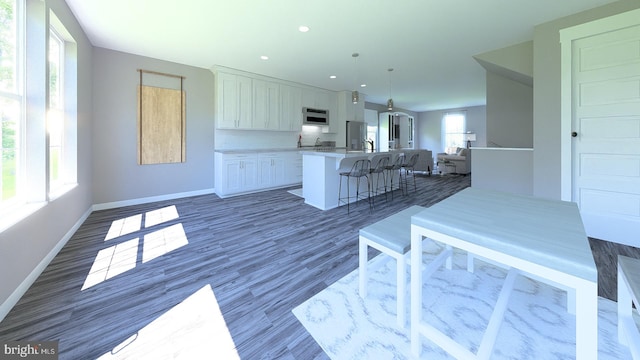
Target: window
<point x="55" y="113"/>
<point x="45" y="112"/>
<point x="454" y="125"/>
<point x="11" y="101"/>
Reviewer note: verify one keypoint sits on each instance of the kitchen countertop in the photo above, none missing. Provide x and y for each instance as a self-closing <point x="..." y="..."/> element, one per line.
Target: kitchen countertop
<point x="342" y="153"/>
<point x="309" y="150"/>
<point x="262" y="150"/>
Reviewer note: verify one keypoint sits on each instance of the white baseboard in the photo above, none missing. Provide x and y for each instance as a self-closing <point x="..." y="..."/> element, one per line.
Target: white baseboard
<point x="35" y="273"/>
<point x="116" y="204"/>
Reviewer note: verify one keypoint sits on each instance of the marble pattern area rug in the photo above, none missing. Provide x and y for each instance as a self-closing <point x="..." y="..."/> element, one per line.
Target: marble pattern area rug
<point x="296" y="192"/>
<point x="536" y="324"/>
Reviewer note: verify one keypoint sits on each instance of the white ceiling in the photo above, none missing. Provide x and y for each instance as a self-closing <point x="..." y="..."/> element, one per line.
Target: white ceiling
<point x="429" y="43"/>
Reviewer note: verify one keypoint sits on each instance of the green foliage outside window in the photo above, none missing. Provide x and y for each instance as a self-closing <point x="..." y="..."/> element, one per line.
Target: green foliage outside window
<point x="7" y="45"/>
<point x="9" y="107"/>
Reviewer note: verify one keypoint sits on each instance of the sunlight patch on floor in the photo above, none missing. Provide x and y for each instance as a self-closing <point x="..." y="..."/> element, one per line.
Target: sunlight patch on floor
<point x="159" y="216"/>
<point x="122" y="257"/>
<point x="163" y="241"/>
<point x="124" y="226"/>
<point x="112" y="261"/>
<point x="193" y="329"/>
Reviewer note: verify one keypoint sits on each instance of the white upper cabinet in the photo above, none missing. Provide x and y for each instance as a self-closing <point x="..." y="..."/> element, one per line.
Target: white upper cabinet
<point x="253" y="102"/>
<point x="266" y="105"/>
<point x="234" y="102"/>
<point x="316" y="98"/>
<point x="227" y="101"/>
<point x="245" y="85"/>
<point x="291" y="108"/>
<point x="335" y="120"/>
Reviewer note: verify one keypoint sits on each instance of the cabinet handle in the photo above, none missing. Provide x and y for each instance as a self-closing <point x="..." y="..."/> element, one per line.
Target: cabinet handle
<point x="574" y="134"/>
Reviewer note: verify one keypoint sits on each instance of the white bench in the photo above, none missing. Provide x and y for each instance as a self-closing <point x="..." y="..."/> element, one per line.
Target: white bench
<point x="628" y="294"/>
<point x="392" y="236"/>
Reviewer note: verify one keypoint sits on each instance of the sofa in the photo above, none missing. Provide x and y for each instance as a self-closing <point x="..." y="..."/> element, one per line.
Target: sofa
<point x="425" y="159"/>
<point x="455" y="160"/>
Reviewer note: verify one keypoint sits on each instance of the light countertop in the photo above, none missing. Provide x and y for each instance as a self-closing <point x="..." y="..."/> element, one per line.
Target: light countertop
<point x="262" y="150"/>
<point x="341" y="153"/>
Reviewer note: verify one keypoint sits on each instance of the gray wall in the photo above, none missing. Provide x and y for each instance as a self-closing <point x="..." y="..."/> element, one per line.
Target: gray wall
<point x="116" y="173"/>
<point x="26" y="247"/>
<point x="546" y="95"/>
<point x="509" y="112"/>
<point x="515" y="61"/>
<point x="509" y="170"/>
<point x="429" y="128"/>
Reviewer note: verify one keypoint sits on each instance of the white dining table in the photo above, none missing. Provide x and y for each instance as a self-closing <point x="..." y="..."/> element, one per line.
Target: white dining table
<point x="540" y="238"/>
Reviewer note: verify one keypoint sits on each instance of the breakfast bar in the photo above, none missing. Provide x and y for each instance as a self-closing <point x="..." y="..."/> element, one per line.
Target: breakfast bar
<point x="320" y="176"/>
<point x="534" y="237"/>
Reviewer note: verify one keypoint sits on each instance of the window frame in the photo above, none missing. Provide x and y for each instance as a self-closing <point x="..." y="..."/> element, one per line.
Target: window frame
<point x="68" y="108"/>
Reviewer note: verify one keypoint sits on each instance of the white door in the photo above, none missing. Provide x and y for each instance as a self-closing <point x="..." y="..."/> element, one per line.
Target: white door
<point x="606" y="133"/>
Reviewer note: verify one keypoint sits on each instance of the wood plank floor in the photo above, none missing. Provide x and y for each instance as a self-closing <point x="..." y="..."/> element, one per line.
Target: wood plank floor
<point x="262" y="254"/>
<point x="605" y="254"/>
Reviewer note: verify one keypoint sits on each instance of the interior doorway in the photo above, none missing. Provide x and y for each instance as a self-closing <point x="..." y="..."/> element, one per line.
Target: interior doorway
<point x="396" y="130"/>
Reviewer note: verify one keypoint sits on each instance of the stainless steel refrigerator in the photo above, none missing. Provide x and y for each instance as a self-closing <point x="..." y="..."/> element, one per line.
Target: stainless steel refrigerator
<point x="356" y="135"/>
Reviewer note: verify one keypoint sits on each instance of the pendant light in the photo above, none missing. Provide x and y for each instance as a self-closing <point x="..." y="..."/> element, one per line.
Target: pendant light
<point x="355" y="96"/>
<point x="390" y="101"/>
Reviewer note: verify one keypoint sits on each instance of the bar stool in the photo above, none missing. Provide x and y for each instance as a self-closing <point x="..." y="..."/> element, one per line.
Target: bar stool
<point x="359" y="170"/>
<point x="379" y="164"/>
<point x="409" y="166"/>
<point x="391" y="169"/>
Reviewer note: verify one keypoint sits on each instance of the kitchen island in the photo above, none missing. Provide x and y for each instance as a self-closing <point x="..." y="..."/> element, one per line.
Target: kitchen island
<point x="321" y="179"/>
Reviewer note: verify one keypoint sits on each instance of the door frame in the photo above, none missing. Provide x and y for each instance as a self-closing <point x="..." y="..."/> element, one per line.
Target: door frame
<point x="567" y="36"/>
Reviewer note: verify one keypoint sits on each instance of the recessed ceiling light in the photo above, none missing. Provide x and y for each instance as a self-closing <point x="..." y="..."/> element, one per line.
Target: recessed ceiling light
<point x="332" y="77"/>
<point x="363" y="85"/>
<point x="303" y="28"/>
<point x="264" y="57"/>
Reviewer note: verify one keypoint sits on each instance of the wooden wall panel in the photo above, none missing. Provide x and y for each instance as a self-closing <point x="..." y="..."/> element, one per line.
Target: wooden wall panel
<point x="161" y="125"/>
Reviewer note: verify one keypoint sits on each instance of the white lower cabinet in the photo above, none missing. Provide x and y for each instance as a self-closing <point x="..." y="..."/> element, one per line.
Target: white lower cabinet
<point x="293" y="167"/>
<point x="272" y="170"/>
<point x="240" y="173"/>
<point x="237" y="173"/>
